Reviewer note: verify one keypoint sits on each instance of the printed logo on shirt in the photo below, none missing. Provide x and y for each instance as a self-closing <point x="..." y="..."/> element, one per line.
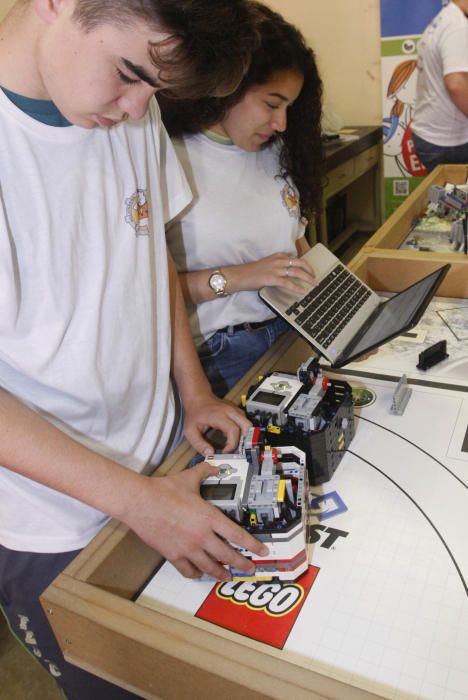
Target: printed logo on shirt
<point x="137" y="213"/>
<point x="290" y="199"/>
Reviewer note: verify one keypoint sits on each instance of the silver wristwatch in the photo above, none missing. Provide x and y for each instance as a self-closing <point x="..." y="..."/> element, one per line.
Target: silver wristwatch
<point x="217" y="282"/>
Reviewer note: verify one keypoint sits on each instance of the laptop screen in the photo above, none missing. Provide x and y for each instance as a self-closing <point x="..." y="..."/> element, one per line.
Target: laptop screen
<point x="394" y="316"/>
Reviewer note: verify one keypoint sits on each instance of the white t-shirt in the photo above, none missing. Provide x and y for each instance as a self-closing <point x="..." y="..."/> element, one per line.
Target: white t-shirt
<point x="242" y="211"/>
<point x="84" y="306"/>
<point x="443" y="49"/>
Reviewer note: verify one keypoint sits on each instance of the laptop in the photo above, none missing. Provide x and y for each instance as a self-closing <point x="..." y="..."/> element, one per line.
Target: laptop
<point x="341" y="317"/>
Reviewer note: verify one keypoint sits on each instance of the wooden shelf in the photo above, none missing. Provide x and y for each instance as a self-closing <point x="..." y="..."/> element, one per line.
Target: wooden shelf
<point x="353" y="168"/>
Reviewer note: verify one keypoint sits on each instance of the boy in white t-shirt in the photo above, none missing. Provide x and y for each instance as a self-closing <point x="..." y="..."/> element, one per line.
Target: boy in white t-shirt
<point x="440" y="123"/>
<point x="92" y="320"/>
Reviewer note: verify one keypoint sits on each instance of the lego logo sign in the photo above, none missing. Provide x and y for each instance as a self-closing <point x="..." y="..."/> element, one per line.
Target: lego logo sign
<point x="273" y="598"/>
<point x="265" y="611"/>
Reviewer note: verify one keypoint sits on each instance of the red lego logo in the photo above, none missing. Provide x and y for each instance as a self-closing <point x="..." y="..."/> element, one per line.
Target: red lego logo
<point x="264" y="611"/>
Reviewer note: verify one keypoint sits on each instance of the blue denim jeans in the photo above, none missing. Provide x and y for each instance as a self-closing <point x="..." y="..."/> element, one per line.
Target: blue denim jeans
<point x="432" y="155"/>
<point x="23" y="577"/>
<point x="227" y="356"/>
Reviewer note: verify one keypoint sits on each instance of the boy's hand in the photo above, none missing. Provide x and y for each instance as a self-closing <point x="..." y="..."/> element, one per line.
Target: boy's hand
<point x="211" y="412"/>
<point x="169" y="514"/>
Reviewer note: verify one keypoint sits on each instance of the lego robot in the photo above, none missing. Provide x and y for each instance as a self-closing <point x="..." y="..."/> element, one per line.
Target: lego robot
<point x="308" y="410"/>
<point x="264" y="489"/>
<point x="303" y="424"/>
<point x="452" y="204"/>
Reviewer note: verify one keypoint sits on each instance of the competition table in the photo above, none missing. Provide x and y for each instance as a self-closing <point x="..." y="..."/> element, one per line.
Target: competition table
<point x="386" y="614"/>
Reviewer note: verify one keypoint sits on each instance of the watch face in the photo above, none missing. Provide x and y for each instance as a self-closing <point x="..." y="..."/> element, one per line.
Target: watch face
<point x="217" y="282"/>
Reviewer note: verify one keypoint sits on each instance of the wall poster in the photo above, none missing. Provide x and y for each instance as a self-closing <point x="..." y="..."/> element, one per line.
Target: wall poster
<point x="402" y="23"/>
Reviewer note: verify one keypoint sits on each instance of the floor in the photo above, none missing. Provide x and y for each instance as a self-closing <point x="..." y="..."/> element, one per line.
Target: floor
<point x="21" y="677"/>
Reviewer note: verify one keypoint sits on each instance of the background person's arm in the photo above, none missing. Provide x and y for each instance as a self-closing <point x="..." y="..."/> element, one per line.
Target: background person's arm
<point x="457" y="88"/>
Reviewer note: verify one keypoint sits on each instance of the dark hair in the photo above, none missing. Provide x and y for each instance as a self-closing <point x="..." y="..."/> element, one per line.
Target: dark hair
<point x="214" y="39"/>
<point x="282" y="46"/>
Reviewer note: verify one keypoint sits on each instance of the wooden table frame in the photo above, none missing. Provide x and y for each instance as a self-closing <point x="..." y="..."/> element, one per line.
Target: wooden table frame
<point x="175" y="656"/>
<point x="165" y="654"/>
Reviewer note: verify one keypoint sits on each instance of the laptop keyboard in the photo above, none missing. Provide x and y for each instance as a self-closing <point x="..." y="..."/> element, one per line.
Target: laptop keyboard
<point x="329" y="307"/>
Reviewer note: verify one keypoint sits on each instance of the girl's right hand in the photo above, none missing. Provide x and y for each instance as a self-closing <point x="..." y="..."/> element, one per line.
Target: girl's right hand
<point x="277" y="270"/>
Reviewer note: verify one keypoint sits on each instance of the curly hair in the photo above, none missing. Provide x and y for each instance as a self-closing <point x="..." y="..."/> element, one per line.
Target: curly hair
<point x="282" y="46"/>
<point x="214" y="39"/>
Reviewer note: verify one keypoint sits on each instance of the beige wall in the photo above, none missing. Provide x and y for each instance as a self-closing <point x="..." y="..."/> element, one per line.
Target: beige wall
<point x="345" y="35"/>
<point x="4" y="6"/>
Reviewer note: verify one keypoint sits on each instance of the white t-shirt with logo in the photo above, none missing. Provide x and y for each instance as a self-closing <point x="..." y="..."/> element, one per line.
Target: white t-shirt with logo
<point x="443" y="49"/>
<point x="242" y="211"/>
<point x="84" y="305"/>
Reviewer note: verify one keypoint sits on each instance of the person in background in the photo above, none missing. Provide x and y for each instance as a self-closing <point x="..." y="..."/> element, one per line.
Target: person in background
<point x="440" y="122"/>
<point x="254" y="163"/>
<point x="92" y="319"/>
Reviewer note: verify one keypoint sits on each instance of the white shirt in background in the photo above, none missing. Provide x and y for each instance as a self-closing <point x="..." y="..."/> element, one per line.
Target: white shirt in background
<point x="443" y="49"/>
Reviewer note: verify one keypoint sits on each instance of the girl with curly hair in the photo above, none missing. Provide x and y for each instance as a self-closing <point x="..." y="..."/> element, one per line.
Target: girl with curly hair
<point x="253" y="161"/>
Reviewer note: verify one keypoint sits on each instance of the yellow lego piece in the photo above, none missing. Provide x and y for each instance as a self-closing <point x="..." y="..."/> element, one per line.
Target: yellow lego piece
<point x="253" y="519"/>
<point x="281" y="490"/>
<point x="274" y="429"/>
<point x="252" y="578"/>
<point x="244" y="400"/>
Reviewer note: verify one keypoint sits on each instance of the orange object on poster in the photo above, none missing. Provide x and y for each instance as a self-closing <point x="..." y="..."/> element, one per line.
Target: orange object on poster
<point x="262" y="610"/>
